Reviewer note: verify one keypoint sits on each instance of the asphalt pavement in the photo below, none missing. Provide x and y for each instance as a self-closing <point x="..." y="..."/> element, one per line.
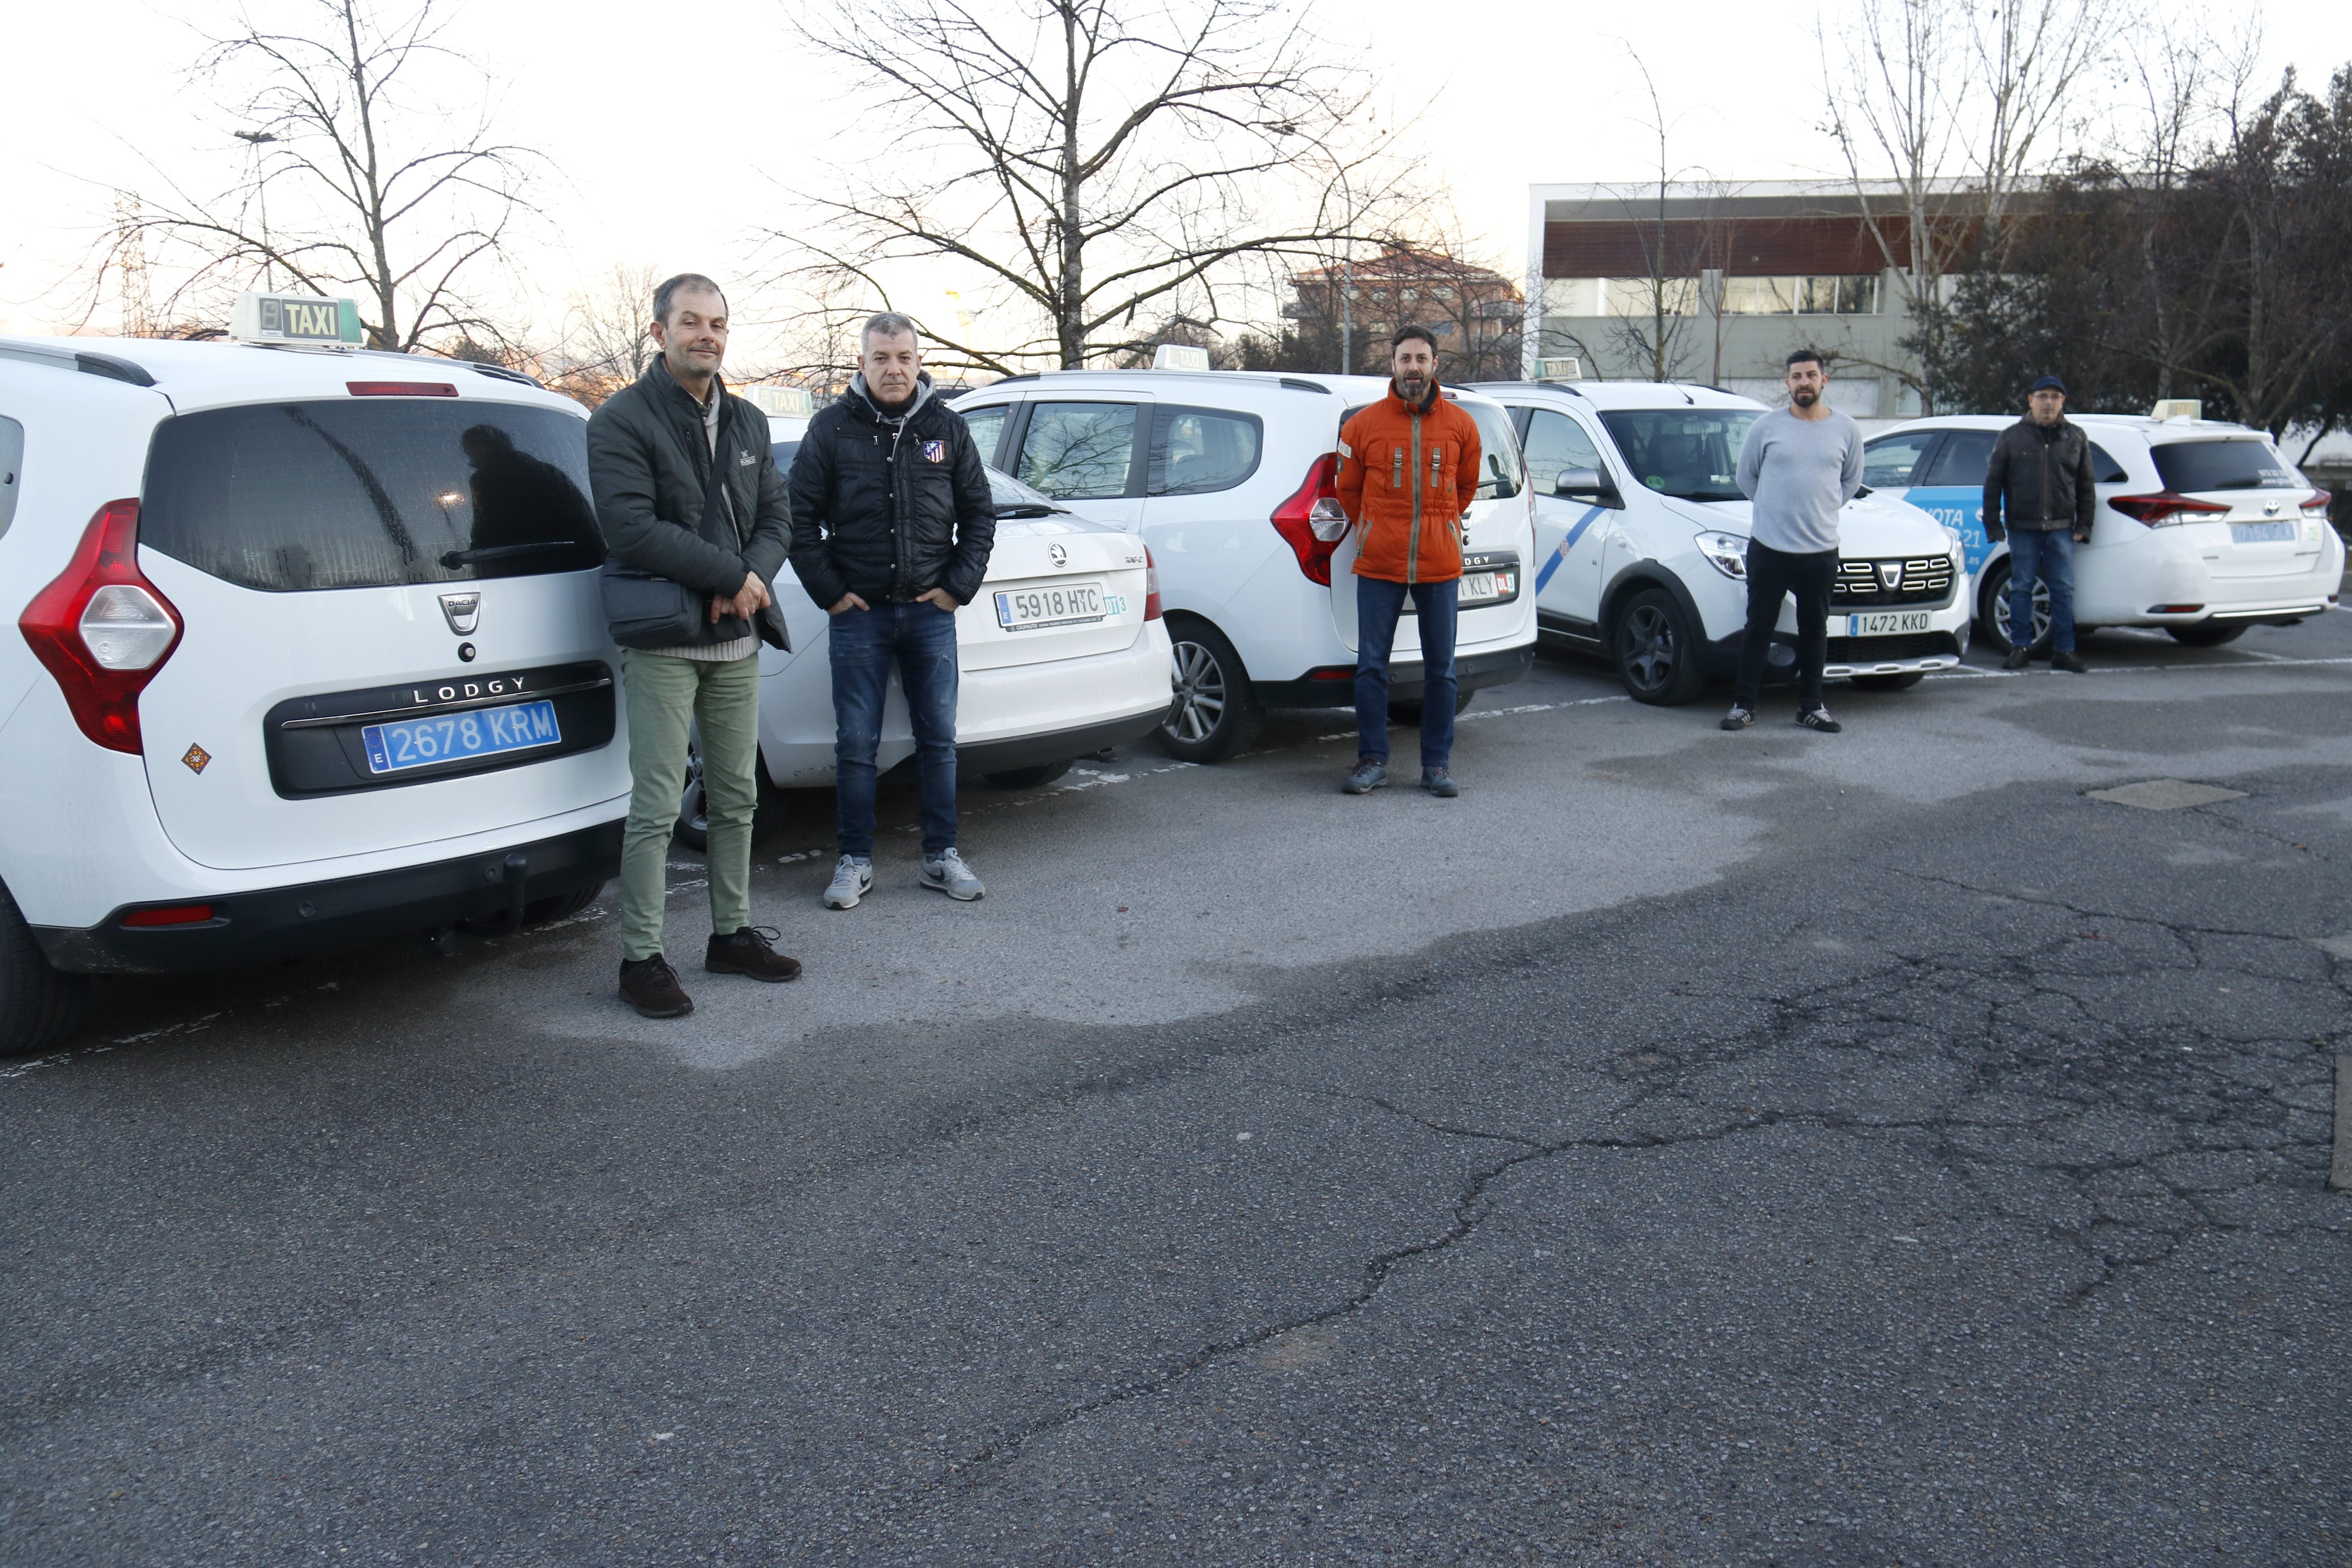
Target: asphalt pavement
<point x="1685" y="1148"/>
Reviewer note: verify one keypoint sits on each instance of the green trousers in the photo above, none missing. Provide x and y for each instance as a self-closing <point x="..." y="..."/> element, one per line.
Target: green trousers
<point x="664" y="696"/>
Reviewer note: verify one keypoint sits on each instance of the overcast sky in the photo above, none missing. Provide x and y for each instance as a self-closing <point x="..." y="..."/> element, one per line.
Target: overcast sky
<point x="671" y="128"/>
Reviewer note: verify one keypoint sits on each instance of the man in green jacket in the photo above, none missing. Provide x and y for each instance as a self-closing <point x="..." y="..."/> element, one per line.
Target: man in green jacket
<point x="692" y="508"/>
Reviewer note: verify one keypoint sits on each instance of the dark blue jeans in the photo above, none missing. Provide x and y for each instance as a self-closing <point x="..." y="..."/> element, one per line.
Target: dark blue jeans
<point x="1378" y="604"/>
<point x="921" y="637"/>
<point x="2047" y="553"/>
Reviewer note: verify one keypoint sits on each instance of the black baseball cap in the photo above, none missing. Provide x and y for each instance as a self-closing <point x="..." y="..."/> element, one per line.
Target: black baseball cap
<point x="2050" y="384"/>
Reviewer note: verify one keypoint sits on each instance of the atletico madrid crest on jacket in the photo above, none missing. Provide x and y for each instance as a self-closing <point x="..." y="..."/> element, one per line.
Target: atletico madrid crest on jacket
<point x="935" y="451"/>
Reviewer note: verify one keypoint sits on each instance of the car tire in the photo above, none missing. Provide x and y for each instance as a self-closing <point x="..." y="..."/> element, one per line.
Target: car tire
<point x="1213" y="712"/>
<point x="693" y="829"/>
<point x="1992" y="611"/>
<point x="39" y="1005"/>
<point x="560" y="906"/>
<point x="1655" y="649"/>
<point x="1028" y="778"/>
<point x="1902" y="682"/>
<point x="2205" y="634"/>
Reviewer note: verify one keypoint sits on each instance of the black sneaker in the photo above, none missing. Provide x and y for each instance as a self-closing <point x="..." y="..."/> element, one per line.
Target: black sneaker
<point x="1741" y="717"/>
<point x="1819" y="719"/>
<point x="650" y="985"/>
<point x="1439" y="781"/>
<point x="2018" y="659"/>
<point x="2067" y="659"/>
<point x="1370" y="774"/>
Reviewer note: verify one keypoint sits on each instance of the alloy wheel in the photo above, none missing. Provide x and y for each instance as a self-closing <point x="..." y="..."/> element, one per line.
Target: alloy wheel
<point x="1199" y="700"/>
<point x="1650" y="651"/>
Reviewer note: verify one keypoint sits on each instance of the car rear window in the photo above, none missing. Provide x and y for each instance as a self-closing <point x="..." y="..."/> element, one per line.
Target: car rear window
<point x="1498" y="451"/>
<point x="351" y="494"/>
<point x="1692" y="454"/>
<point x="2240" y="465"/>
<point x="1196" y="451"/>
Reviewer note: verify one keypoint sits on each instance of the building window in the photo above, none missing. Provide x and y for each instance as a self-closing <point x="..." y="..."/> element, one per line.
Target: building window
<point x="1442" y="329"/>
<point x="1818" y="295"/>
<point x="1445" y="294"/>
<point x="1647" y="296"/>
<point x="1379" y="295"/>
<point x="1409" y="295"/>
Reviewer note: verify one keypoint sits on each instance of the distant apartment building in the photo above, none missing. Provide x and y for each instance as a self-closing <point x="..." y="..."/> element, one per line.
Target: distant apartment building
<point x="1475" y="313"/>
<point x="1716" y="284"/>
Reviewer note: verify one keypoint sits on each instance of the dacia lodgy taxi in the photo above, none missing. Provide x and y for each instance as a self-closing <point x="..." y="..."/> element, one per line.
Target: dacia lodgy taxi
<point x="306" y="650"/>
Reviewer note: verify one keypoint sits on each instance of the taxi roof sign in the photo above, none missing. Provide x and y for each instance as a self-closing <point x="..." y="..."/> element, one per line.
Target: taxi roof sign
<point x="788" y="401"/>
<point x="294" y="319"/>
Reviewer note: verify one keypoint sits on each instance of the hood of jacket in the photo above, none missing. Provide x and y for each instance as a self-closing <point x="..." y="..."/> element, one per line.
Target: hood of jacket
<point x="871" y="407"/>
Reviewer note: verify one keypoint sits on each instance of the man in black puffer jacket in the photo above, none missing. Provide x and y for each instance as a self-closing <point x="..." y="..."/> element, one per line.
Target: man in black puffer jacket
<point x="892" y="526"/>
<point x="2038" y="491"/>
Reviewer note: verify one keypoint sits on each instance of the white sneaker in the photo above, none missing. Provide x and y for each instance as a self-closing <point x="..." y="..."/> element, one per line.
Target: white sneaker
<point x="948" y="873"/>
<point x="852" y="879"/>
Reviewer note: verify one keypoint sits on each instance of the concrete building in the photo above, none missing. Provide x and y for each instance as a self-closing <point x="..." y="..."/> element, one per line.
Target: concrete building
<point x="1716" y="284"/>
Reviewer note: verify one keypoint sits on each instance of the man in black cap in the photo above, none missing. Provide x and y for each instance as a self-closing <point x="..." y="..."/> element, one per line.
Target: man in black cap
<point x="2038" y="490"/>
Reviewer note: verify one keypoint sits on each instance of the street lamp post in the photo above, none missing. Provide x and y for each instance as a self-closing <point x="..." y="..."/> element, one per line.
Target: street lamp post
<point x="1348" y="281"/>
<point x="257" y="140"/>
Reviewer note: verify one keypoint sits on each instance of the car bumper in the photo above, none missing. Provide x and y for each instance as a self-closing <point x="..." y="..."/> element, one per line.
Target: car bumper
<point x="259" y="925"/>
<point x="1058" y="745"/>
<point x="1472" y="672"/>
<point x="1916" y="652"/>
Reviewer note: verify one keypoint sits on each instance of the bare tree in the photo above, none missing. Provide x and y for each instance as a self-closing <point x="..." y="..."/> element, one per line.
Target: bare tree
<point x="1103" y="164"/>
<point x="603" y="344"/>
<point x="1960" y="104"/>
<point x="359" y="184"/>
<point x="1655" y="332"/>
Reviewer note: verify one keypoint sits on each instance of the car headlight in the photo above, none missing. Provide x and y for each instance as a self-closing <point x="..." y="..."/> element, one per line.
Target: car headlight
<point x="1729" y="551"/>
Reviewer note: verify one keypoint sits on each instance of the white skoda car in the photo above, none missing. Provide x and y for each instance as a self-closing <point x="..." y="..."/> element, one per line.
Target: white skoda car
<point x="306" y="650"/>
<point x="1064" y="653"/>
<point x="1642" y="544"/>
<point x="2202" y="528"/>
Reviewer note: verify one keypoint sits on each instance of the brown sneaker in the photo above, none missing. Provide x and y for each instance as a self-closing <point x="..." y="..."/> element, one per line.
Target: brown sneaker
<point x="747" y="952"/>
<point x="650" y="985"/>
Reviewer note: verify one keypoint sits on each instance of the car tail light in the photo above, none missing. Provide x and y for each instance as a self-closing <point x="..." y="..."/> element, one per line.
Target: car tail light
<point x="400" y="389"/>
<point x="177" y="915"/>
<point x="2165" y="507"/>
<point x="2174" y="609"/>
<point x="102" y="629"/>
<point x="2315" y="505"/>
<point x="1317" y="500"/>
<point x="1150" y="586"/>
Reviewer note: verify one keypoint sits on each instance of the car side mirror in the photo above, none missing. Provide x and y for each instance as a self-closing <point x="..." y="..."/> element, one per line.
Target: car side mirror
<point x="1585" y="485"/>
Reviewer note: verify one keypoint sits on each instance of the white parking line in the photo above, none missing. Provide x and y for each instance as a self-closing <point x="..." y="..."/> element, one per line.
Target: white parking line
<point x="2275" y="661"/>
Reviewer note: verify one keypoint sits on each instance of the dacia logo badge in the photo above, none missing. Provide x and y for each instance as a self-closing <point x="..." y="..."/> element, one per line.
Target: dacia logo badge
<point x="1890" y="574"/>
<point x="1057" y="555"/>
<point x="462" y="611"/>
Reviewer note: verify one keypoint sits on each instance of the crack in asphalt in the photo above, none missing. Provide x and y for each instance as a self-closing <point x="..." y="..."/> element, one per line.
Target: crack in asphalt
<point x="1838" y="1014"/>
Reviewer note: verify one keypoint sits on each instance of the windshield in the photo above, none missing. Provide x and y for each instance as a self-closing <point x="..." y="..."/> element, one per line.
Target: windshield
<point x="1692" y="454"/>
<point x="2241" y="465"/>
<point x="369" y="493"/>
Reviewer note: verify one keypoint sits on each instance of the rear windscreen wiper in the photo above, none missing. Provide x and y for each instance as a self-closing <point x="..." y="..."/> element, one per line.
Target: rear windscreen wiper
<point x="457" y="558"/>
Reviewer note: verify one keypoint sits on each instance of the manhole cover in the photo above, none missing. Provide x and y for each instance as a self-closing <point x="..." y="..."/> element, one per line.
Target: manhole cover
<point x="2167" y="795"/>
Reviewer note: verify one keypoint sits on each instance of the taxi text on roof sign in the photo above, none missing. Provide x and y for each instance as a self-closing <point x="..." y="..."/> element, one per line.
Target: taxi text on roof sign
<point x="294" y="319"/>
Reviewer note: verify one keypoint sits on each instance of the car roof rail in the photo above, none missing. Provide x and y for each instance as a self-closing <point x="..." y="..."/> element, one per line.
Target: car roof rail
<point x="1296" y="385"/>
<point x="111" y="366"/>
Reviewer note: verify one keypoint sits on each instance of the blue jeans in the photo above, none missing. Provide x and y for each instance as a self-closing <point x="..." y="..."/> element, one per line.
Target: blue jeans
<point x="2049" y="554"/>
<point x="1379" y="603"/>
<point x="921" y="637"/>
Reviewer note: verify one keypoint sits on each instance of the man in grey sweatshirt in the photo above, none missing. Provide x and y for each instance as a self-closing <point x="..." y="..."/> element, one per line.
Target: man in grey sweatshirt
<point x="1799" y="466"/>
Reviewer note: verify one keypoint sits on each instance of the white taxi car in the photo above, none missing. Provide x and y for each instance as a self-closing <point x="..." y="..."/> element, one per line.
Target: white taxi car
<point x="1225" y="475"/>
<point x="1063" y="654"/>
<point x="1642" y="544"/>
<point x="306" y="650"/>
<point x="2202" y="527"/>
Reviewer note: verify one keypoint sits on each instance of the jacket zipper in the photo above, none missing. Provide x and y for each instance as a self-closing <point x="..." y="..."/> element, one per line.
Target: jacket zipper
<point x="1413" y="548"/>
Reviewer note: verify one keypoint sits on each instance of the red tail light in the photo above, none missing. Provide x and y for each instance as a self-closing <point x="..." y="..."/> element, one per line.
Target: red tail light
<point x="177" y="915"/>
<point x="102" y="629"/>
<point x="1150" y="586"/>
<point x="400" y="389"/>
<point x="2164" y="507"/>
<point x="1317" y="500"/>
<point x="2315" y="505"/>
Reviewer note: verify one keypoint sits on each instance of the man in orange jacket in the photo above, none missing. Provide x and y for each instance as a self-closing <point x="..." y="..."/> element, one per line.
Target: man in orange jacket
<point x="1408" y="471"/>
